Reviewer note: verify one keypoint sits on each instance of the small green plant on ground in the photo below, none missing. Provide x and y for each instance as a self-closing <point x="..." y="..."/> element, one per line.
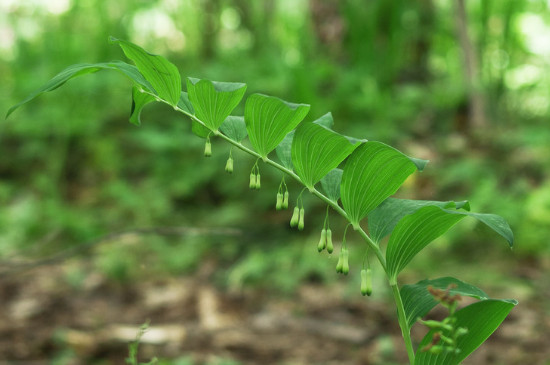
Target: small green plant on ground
<point x="132" y="358"/>
<point x="357" y="177"/>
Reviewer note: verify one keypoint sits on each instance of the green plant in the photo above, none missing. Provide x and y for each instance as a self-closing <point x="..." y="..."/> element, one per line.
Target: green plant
<point x="133" y="346"/>
<point x="311" y="153"/>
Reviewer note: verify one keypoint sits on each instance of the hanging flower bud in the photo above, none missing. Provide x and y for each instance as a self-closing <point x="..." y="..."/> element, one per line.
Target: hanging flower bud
<point x="285" y="200"/>
<point x="345" y="262"/>
<point x="279" y="203"/>
<point x="301" y="219"/>
<point x="258" y="184"/>
<point x="252" y="184"/>
<point x="207" y="148"/>
<point x="229" y="165"/>
<point x="295" y="216"/>
<point x="366" y="282"/>
<point x="340" y="263"/>
<point x="330" y="246"/>
<point x="323" y="241"/>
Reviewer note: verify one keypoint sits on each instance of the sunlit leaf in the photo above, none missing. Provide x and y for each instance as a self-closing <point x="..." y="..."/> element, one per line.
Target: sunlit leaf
<point x="418" y="301"/>
<point x="284" y="149"/>
<point x="481" y="319"/>
<point x="316" y="150"/>
<point x="139" y="100"/>
<point x="161" y="73"/>
<point x="414" y="232"/>
<point x="373" y="172"/>
<point x="383" y="219"/>
<point x="129" y="71"/>
<point x="331" y="184"/>
<point x="417" y="230"/>
<point x="234" y="128"/>
<point x="269" y="119"/>
<point x="214" y="101"/>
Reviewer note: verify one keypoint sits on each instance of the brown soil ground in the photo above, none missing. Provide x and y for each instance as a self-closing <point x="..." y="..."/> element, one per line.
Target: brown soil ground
<point x="43" y="317"/>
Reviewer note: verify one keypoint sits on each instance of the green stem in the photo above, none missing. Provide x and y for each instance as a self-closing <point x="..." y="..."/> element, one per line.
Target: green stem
<point x="405" y="330"/>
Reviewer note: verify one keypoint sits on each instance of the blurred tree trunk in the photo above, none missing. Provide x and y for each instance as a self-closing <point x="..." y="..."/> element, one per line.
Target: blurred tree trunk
<point x="422" y="44"/>
<point x="211" y="13"/>
<point x="258" y="22"/>
<point x="476" y="101"/>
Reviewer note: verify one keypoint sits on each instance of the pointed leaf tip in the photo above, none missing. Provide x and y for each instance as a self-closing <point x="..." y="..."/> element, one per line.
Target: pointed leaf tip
<point x="163" y="76"/>
<point x="269" y="119"/>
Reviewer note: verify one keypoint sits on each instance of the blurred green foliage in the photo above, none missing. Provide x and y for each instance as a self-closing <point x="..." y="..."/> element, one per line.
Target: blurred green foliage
<point x="72" y="168"/>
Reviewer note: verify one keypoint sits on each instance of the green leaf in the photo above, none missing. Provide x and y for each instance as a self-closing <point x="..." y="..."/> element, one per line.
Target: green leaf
<point x="58" y="80"/>
<point x="414" y="232"/>
<point x="331" y="184"/>
<point x="269" y="119"/>
<point x="284" y="149"/>
<point x="481" y="319"/>
<point x="316" y="150"/>
<point x="161" y="74"/>
<point x="418" y="301"/>
<point x="325" y="120"/>
<point x="199" y="130"/>
<point x="234" y="128"/>
<point x="214" y="101"/>
<point x="373" y="172"/>
<point x="384" y="218"/>
<point x="184" y="103"/>
<point x="139" y="100"/>
<point x="417" y="230"/>
<point x="420" y="163"/>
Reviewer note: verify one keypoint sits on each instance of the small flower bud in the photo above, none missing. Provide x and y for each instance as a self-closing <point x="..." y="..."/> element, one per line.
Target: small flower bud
<point x="285" y="200"/>
<point x="207" y="148"/>
<point x="436" y="349"/>
<point x="340" y="263"/>
<point x="295" y="216"/>
<point x="330" y="246"/>
<point x="345" y="262"/>
<point x="323" y="241"/>
<point x="258" y="184"/>
<point x="366" y="282"/>
<point x="279" y="203"/>
<point x="252" y="184"/>
<point x="301" y="219"/>
<point x="229" y="165"/>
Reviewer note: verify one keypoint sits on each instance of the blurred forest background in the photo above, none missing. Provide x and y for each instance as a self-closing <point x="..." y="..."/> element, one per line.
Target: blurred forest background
<point x="465" y="84"/>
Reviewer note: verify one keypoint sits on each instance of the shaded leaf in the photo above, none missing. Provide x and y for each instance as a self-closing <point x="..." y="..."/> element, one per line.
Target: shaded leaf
<point x="199" y="130"/>
<point x="214" y="101"/>
<point x="316" y="150"/>
<point x="481" y="319"/>
<point x="161" y="74"/>
<point x="373" y="172"/>
<point x="418" y="301"/>
<point x="184" y="103"/>
<point x="284" y="149"/>
<point x="383" y="219"/>
<point x="269" y="119"/>
<point x="420" y="163"/>
<point x="139" y="100"/>
<point x="234" y="128"/>
<point x="331" y="184"/>
<point x="58" y="80"/>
